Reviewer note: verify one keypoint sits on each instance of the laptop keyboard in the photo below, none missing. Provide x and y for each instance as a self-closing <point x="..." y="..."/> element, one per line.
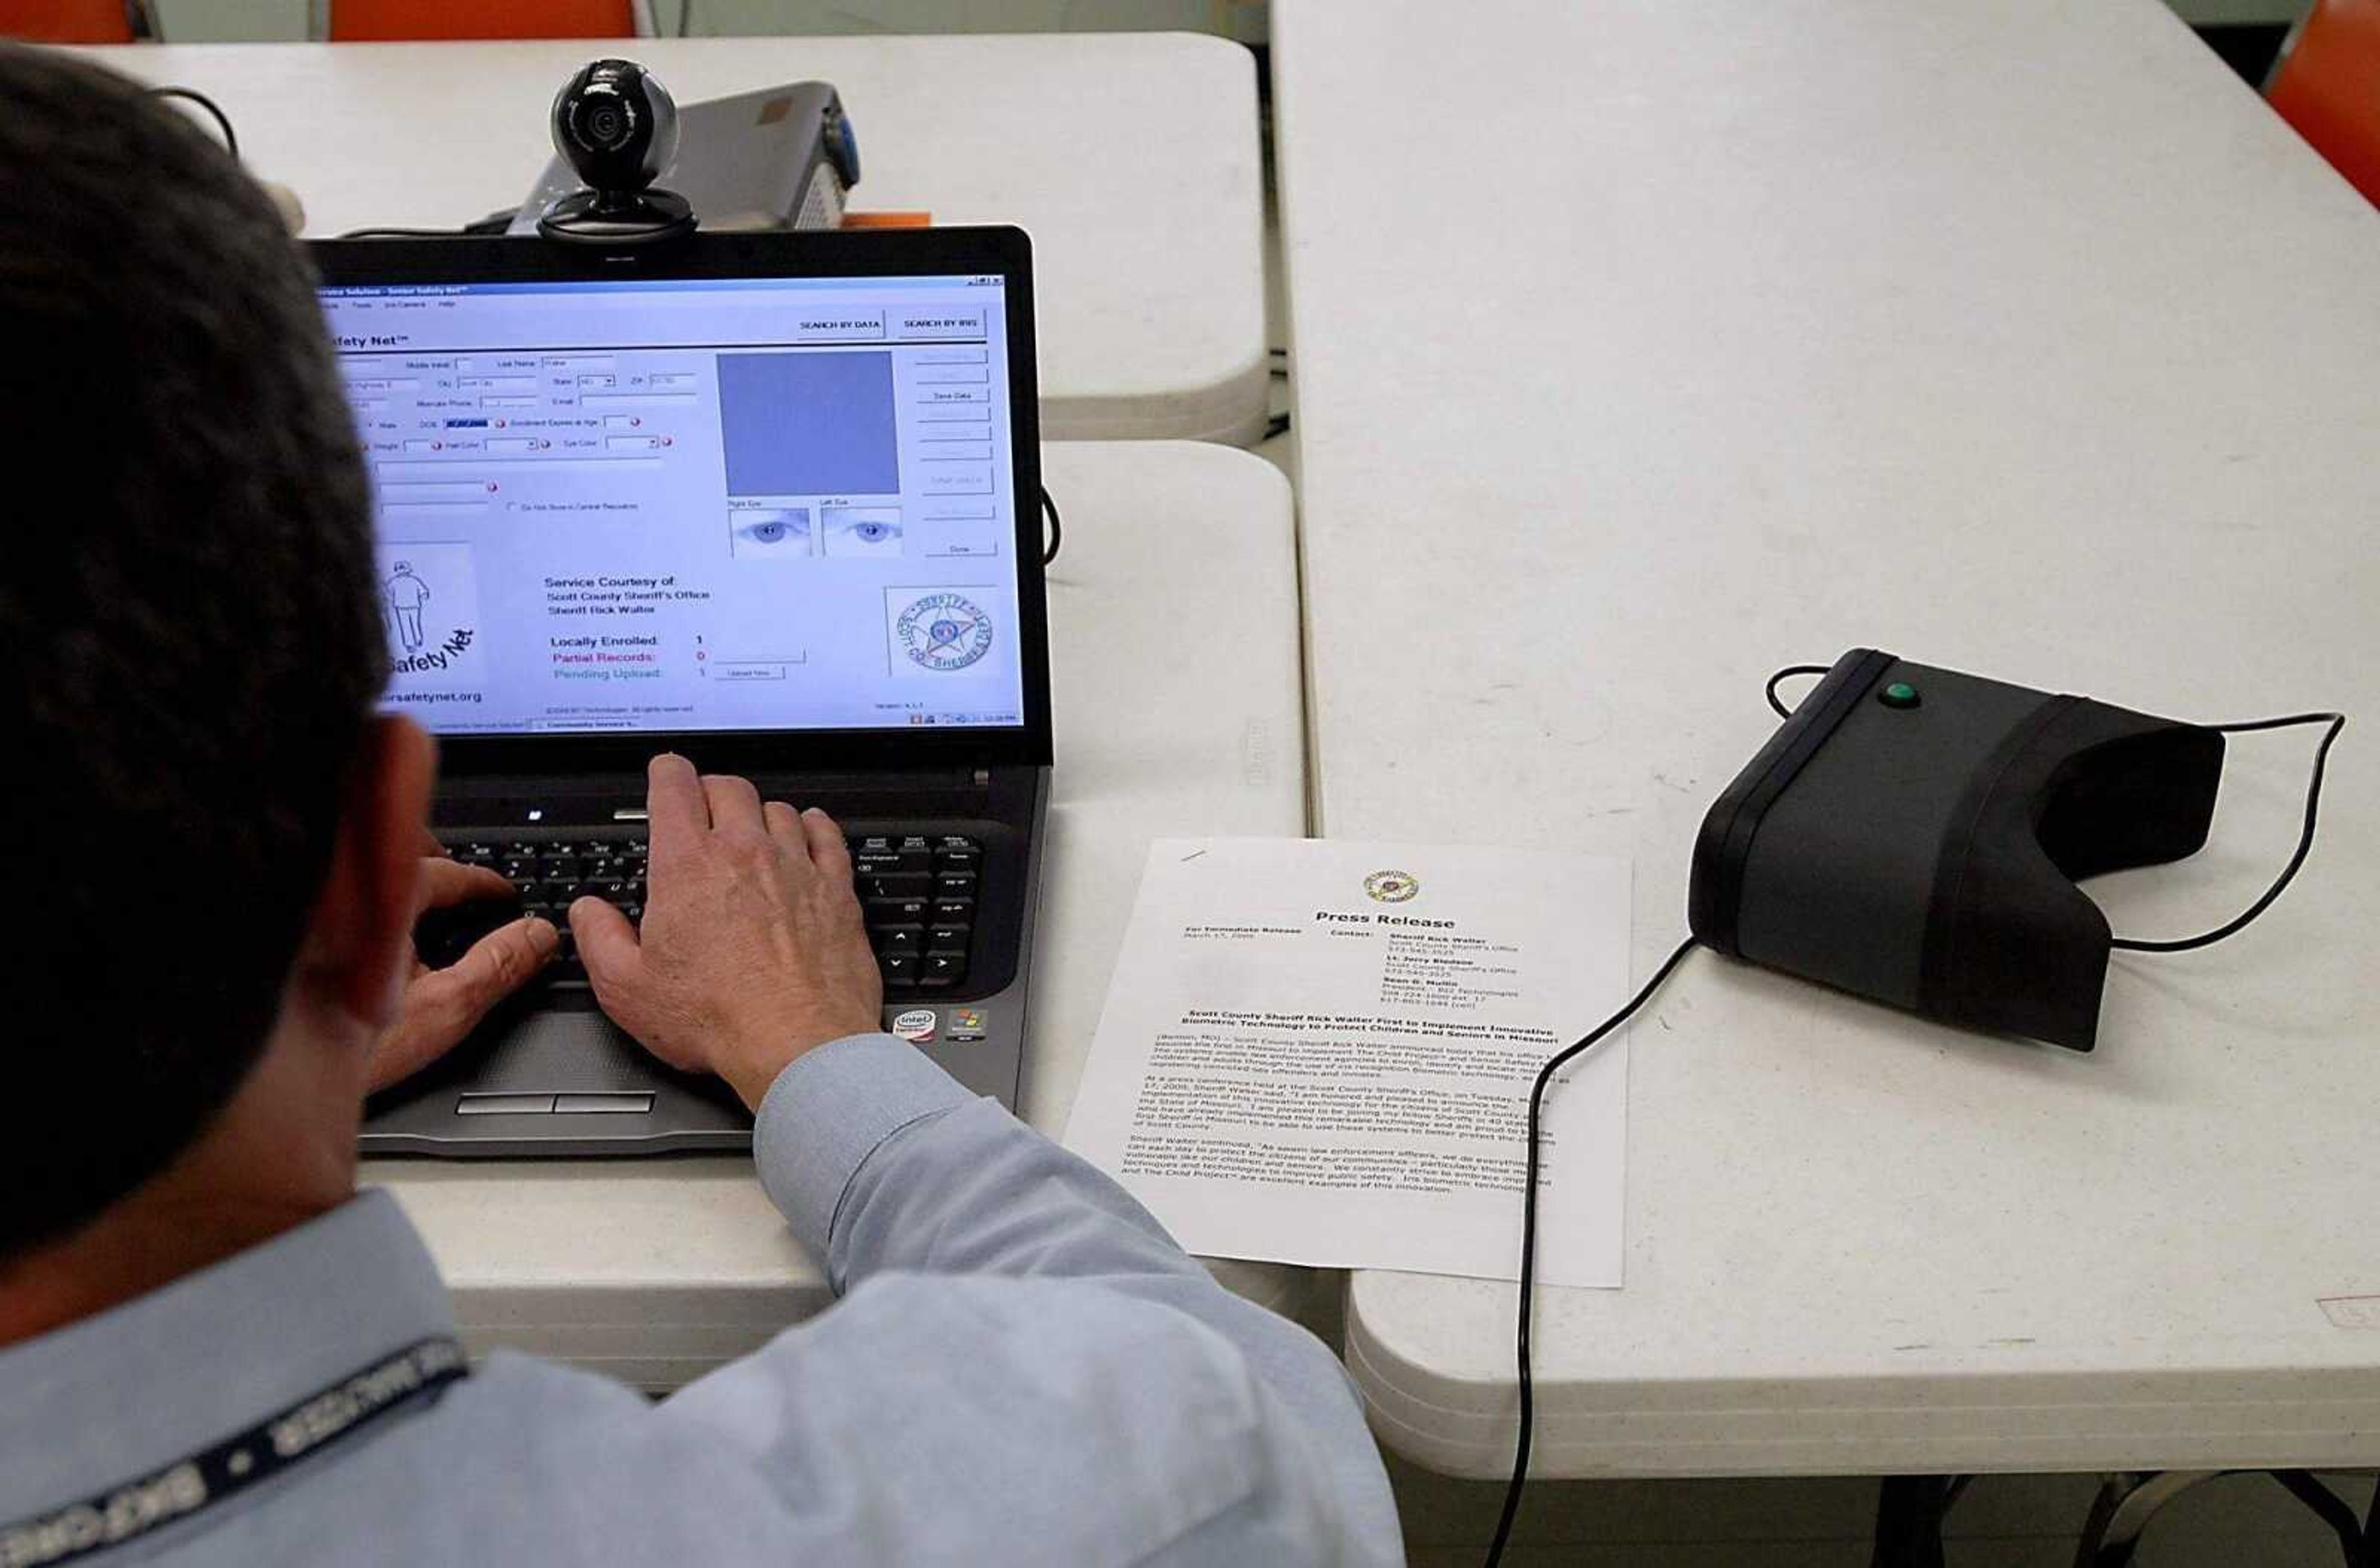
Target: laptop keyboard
<point x="918" y="891"/>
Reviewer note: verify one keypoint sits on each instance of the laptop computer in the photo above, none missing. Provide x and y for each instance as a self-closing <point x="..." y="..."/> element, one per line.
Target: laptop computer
<point x="770" y="501"/>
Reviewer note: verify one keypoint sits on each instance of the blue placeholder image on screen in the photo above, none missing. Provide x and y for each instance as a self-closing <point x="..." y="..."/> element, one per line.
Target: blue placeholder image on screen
<point x="808" y="424"/>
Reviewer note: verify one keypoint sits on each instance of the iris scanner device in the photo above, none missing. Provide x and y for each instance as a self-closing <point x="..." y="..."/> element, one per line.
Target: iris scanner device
<point x="1913" y="835"/>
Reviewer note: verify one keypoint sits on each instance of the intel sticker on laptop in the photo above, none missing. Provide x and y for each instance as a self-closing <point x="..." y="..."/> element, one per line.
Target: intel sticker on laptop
<point x="916" y="1026"/>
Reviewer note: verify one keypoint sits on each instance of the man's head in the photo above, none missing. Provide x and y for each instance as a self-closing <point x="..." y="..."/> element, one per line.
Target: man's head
<point x="190" y="642"/>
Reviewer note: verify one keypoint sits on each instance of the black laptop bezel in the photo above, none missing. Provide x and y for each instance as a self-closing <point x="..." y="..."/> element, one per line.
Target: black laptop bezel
<point x="991" y="251"/>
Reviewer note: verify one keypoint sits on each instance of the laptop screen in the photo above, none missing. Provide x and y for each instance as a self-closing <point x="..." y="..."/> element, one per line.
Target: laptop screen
<point x="691" y="504"/>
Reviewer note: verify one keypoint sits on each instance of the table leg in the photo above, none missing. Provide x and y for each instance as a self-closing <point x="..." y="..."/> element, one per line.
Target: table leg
<point x="1909" y="1512"/>
<point x="2126" y="1501"/>
<point x="2354" y="1543"/>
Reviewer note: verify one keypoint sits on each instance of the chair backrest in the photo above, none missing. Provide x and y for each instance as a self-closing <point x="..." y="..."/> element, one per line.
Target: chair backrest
<point x="67" y="21"/>
<point x="2326" y="84"/>
<point x="354" y="22"/>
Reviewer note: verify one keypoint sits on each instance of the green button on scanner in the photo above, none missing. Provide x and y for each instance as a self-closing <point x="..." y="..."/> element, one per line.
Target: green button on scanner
<point x="1899" y="694"/>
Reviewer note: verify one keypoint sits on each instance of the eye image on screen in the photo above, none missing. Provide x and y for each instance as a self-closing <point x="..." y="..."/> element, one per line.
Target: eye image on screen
<point x="769" y="533"/>
<point x="861" y="530"/>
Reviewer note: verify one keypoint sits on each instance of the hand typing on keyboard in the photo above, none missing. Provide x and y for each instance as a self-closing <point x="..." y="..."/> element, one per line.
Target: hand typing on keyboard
<point x="751" y="950"/>
<point x="442" y="1005"/>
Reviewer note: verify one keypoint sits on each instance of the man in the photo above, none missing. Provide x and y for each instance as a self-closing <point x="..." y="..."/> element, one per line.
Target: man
<point x="212" y="1350"/>
<point x="407" y="595"/>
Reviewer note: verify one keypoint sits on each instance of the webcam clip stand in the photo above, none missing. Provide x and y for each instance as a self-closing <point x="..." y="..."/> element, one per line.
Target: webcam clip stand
<point x="617" y="218"/>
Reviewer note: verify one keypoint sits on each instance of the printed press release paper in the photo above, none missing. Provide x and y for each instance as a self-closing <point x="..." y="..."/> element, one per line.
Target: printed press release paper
<point x="1320" y="1052"/>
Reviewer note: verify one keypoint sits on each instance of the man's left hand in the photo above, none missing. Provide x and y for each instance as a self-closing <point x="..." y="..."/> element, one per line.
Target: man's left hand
<point x="442" y="1005"/>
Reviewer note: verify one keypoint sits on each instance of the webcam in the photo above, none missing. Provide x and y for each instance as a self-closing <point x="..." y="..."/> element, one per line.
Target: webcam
<point x="616" y="125"/>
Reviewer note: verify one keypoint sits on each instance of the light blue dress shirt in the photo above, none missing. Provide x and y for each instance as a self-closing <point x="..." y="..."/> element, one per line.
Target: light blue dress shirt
<point x="1023" y="1368"/>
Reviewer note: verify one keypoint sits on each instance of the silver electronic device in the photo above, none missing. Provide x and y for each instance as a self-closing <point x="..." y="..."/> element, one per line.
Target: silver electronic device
<point x="780" y="158"/>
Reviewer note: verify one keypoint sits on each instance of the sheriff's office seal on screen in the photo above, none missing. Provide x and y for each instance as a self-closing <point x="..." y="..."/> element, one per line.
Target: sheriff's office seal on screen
<point x="944" y="631"/>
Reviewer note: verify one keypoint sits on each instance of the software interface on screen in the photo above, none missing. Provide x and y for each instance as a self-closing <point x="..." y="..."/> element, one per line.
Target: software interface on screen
<point x="723" y="505"/>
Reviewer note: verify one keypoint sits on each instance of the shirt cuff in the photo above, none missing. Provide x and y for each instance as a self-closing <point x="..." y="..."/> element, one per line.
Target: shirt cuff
<point x="828" y="1112"/>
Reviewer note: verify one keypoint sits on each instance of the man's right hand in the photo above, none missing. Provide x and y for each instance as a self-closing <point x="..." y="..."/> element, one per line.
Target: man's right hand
<point x="751" y="952"/>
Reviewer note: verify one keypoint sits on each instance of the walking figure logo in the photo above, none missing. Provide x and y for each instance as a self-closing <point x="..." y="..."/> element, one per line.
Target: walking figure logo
<point x="407" y="596"/>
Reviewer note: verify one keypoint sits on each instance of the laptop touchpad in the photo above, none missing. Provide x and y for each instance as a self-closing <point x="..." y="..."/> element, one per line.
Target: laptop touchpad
<point x="562" y="1049"/>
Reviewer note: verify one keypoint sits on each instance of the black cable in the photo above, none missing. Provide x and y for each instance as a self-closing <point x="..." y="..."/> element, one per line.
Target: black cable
<point x="193" y="95"/>
<point x="1057" y="527"/>
<point x="1529" y="1239"/>
<point x="2337" y="722"/>
<point x="1788" y="673"/>
<point x="494" y="223"/>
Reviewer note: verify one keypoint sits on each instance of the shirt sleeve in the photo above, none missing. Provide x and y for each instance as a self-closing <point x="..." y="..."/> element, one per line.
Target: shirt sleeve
<point x="1025" y="1367"/>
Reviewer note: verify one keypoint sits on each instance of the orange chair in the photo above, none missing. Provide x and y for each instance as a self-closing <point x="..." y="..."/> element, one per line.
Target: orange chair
<point x="2326" y="84"/>
<point x="73" y="21"/>
<point x="354" y="21"/>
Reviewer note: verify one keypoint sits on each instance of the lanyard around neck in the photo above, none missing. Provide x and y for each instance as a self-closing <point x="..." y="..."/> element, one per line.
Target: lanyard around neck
<point x="191" y="1485"/>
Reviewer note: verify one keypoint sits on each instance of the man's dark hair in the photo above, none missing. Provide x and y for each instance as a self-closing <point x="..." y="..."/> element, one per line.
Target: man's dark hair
<point x="191" y="641"/>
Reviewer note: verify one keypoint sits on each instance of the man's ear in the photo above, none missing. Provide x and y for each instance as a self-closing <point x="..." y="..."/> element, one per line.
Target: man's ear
<point x="360" y="942"/>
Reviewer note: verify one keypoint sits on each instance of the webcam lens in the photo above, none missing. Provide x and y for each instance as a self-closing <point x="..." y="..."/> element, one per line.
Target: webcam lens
<point x="603" y="125"/>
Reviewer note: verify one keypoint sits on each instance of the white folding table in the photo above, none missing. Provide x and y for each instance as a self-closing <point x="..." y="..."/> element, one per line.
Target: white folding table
<point x="1132" y="159"/>
<point x="1677" y="343"/>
